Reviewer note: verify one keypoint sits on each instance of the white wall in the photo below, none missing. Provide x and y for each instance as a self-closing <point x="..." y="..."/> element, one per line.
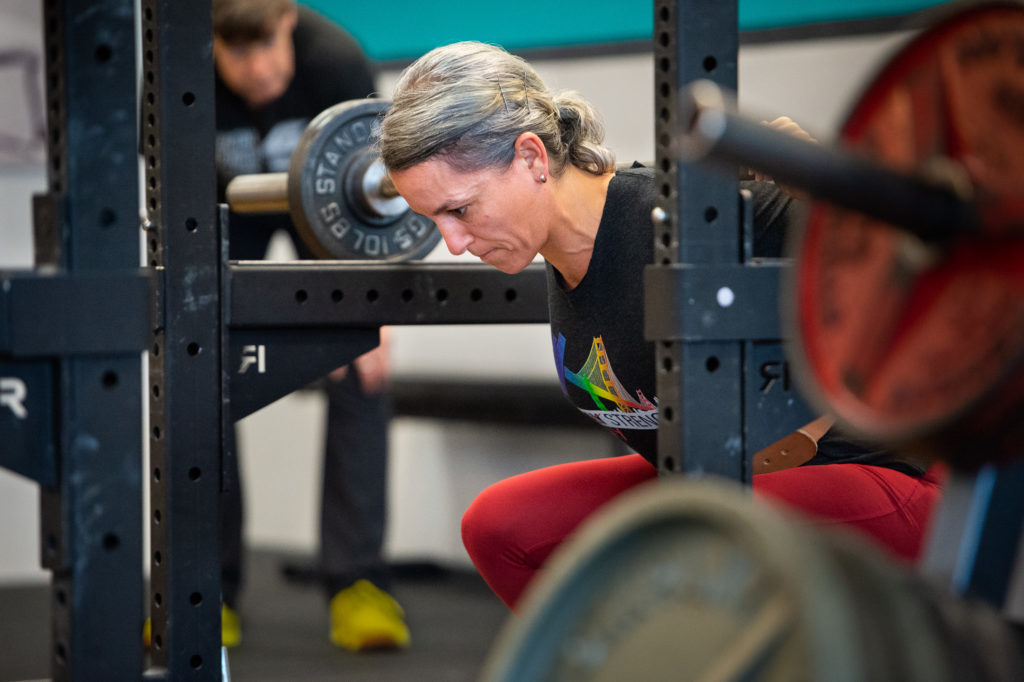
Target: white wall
<point x="21" y="174"/>
<point x="437" y="469"/>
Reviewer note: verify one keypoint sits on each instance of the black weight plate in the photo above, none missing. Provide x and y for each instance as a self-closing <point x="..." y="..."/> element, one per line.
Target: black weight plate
<point x="333" y="223"/>
<point x="683" y="580"/>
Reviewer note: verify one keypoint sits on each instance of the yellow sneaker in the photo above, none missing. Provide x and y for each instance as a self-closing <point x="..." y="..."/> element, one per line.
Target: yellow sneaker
<point x="365" y="617"/>
<point x="230" y="628"/>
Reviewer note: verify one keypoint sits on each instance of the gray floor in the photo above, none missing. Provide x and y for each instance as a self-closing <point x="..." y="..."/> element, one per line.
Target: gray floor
<point x="453" y="616"/>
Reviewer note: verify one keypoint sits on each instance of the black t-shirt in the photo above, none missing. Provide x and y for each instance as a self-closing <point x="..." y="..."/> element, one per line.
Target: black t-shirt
<point x="604" y="363"/>
<point x="330" y="67"/>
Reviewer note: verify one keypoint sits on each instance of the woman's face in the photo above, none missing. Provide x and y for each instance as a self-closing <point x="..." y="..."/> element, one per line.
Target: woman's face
<point x="495" y="215"/>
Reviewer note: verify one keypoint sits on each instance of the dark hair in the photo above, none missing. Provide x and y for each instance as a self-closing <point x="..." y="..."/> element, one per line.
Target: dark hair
<point x="239" y="22"/>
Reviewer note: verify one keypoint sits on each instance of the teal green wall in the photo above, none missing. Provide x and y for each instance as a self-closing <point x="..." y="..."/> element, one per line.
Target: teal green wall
<point x="403" y="29"/>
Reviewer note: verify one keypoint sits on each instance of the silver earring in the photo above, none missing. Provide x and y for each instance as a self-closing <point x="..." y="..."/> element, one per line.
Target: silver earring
<point x="543" y="178"/>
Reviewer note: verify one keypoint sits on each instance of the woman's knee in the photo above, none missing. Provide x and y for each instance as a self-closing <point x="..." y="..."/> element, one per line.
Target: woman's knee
<point x="483" y="523"/>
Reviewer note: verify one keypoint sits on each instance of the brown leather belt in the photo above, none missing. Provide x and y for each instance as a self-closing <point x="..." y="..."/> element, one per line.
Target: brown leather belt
<point x="793" y="450"/>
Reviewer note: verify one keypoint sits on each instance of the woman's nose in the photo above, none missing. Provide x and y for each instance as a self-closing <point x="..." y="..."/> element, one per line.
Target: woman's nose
<point x="456" y="238"/>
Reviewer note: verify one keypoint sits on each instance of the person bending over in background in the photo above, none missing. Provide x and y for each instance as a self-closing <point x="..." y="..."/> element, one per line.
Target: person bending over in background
<point x="277" y="66"/>
<point x="475" y="141"/>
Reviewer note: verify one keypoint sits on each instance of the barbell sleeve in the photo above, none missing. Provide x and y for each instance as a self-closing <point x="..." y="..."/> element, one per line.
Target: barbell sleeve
<point x="258" y="193"/>
<point x="268" y="192"/>
<point x="711" y="132"/>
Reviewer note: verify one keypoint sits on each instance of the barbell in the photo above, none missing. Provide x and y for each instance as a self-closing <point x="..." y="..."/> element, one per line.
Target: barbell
<point x="906" y="300"/>
<point x="338" y="193"/>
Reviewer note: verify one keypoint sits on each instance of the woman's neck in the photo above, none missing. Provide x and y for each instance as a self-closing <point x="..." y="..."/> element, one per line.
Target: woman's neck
<point x="579" y="204"/>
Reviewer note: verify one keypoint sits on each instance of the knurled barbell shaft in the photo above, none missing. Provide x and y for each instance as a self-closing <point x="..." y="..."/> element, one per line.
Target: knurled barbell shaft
<point x="268" y="192"/>
<point x="386" y="189"/>
<point x="709" y="130"/>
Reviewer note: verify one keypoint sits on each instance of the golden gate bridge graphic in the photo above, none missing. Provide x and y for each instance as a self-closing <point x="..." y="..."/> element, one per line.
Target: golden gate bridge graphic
<point x="597" y="378"/>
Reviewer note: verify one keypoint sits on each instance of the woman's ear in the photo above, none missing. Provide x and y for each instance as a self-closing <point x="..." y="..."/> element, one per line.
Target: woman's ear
<point x="530" y="151"/>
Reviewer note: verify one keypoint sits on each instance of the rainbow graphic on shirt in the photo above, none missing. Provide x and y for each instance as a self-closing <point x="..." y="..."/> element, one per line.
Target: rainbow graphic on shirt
<point x="616" y="407"/>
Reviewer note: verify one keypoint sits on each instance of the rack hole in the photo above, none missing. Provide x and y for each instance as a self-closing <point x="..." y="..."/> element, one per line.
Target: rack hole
<point x="372" y="295"/>
<point x="710" y="214"/>
<point x="712" y="364"/>
<point x="301" y="296"/>
<point x="109" y="380"/>
<point x="196" y="661"/>
<point x="710" y="63"/>
<point x="111" y="541"/>
<point x="158" y="558"/>
<point x="103" y="53"/>
<point x="191" y="224"/>
<point x="669" y="413"/>
<point x="188" y="99"/>
<point x="337" y="295"/>
<point x="194" y="474"/>
<point x="511" y="295"/>
<point x="407" y="295"/>
<point x="441" y="295"/>
<point x="476" y="295"/>
<point x="193" y="349"/>
<point x="195" y="599"/>
<point x="107" y="217"/>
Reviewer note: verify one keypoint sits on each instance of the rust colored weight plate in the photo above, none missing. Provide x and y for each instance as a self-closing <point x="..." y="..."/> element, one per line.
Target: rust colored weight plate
<point x="922" y="346"/>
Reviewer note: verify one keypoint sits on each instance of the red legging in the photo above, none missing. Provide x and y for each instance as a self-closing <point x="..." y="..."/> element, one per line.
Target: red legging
<point x="511" y="527"/>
